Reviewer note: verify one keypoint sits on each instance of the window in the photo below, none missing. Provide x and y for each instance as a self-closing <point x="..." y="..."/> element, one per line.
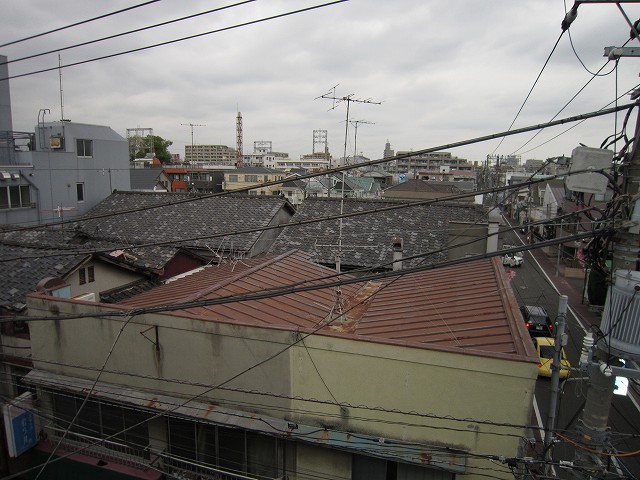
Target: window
<point x="4" y="197"/>
<point x="25" y="195"/>
<point x="15" y="196"/>
<point x="86" y="275"/>
<point x="80" y="192"/>
<point x="182" y="436"/>
<point x="84" y="148"/>
<point x="370" y="468"/>
<point x="251" y="178"/>
<point x="233" y="178"/>
<point x="228" y="448"/>
<point x="99" y="419"/>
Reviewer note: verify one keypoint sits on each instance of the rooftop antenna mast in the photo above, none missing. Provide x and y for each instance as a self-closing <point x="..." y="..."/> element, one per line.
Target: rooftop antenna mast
<point x="355" y="124"/>
<point x="62" y="119"/>
<point x="191" y="125"/>
<point x="348" y="99"/>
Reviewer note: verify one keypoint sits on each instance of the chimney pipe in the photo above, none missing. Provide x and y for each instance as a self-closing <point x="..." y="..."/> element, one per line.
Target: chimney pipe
<point x="397" y="253"/>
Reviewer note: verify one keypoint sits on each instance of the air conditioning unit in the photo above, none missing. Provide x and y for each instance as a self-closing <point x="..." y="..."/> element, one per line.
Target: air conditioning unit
<point x="56" y="142"/>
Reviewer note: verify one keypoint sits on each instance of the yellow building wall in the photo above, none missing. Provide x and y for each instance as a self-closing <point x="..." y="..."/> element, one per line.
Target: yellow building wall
<point x="453" y="394"/>
<point x="312" y="461"/>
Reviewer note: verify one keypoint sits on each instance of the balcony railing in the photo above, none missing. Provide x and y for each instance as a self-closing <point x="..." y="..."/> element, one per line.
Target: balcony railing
<point x="186" y="470"/>
<point x="106" y="450"/>
<point x="115" y="452"/>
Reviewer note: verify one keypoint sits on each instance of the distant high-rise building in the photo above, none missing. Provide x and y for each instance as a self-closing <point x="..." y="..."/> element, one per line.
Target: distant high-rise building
<point x="387" y="150"/>
<point x="214" y="154"/>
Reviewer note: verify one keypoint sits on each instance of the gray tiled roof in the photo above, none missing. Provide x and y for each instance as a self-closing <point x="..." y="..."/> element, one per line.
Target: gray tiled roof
<point x="144" y="178"/>
<point x="39" y="237"/>
<point x="189" y="223"/>
<point x="23" y="267"/>
<point x="366" y="239"/>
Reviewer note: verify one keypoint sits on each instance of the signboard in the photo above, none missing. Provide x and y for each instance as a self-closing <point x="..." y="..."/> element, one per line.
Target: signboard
<point x="20" y="425"/>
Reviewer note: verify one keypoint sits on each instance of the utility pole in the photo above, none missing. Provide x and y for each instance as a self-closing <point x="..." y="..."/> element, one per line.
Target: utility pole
<point x="555" y="374"/>
<point x="191" y="125"/>
<point x="620" y="312"/>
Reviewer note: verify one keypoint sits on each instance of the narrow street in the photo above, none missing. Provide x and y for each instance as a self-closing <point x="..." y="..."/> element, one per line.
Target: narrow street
<point x="536" y="283"/>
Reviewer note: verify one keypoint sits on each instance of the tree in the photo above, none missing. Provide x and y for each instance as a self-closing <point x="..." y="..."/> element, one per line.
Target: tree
<point x="140" y="147"/>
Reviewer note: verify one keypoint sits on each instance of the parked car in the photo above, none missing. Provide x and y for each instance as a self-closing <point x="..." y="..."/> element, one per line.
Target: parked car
<point x="546" y="347"/>
<point x="512" y="260"/>
<point x="537" y="320"/>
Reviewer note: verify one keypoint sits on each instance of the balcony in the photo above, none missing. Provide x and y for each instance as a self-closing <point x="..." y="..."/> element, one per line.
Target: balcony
<point x="12" y="142"/>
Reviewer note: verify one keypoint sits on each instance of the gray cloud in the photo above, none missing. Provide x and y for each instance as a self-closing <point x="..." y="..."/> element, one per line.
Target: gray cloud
<point x="444" y="72"/>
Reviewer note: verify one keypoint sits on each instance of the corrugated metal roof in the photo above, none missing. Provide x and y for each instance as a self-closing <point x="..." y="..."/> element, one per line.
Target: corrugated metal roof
<point x="469" y="306"/>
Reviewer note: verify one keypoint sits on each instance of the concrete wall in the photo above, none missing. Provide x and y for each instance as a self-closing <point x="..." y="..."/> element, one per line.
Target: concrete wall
<point x="190" y="352"/>
<point x="5" y="97"/>
<point x="314" y="461"/>
<point x="461" y="233"/>
<point x="436" y="383"/>
<point x="449" y="390"/>
<point x="267" y="237"/>
<point x="107" y="276"/>
<point x="56" y="172"/>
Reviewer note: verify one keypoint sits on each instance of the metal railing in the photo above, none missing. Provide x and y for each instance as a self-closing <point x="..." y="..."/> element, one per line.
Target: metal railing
<point x="105" y="450"/>
<point x="187" y="470"/>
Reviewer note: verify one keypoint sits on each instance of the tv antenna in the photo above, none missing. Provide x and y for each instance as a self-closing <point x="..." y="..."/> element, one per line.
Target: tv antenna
<point x="192" y="125"/>
<point x="348" y="99"/>
<point x="355" y="124"/>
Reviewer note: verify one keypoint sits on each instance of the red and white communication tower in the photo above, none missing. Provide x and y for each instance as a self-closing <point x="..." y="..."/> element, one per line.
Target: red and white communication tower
<point x="239" y="155"/>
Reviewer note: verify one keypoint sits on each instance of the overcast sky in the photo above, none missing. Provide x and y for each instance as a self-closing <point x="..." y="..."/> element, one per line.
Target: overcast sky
<point x="444" y="71"/>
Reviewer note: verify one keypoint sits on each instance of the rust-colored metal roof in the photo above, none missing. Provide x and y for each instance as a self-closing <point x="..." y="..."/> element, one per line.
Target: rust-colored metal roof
<point x="469" y="306"/>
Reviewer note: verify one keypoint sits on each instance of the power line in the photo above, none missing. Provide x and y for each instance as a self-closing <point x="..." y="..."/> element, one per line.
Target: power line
<point x="78" y="23"/>
<point x="184" y="241"/>
<point x="531" y="89"/>
<point x="288" y="290"/>
<point x="582" y="121"/>
<point x="562" y="109"/>
<point x="461" y="143"/>
<point x="181" y="39"/>
<point x="236" y="376"/>
<point x="256" y="365"/>
<point x="298" y="410"/>
<point x="129" y="32"/>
